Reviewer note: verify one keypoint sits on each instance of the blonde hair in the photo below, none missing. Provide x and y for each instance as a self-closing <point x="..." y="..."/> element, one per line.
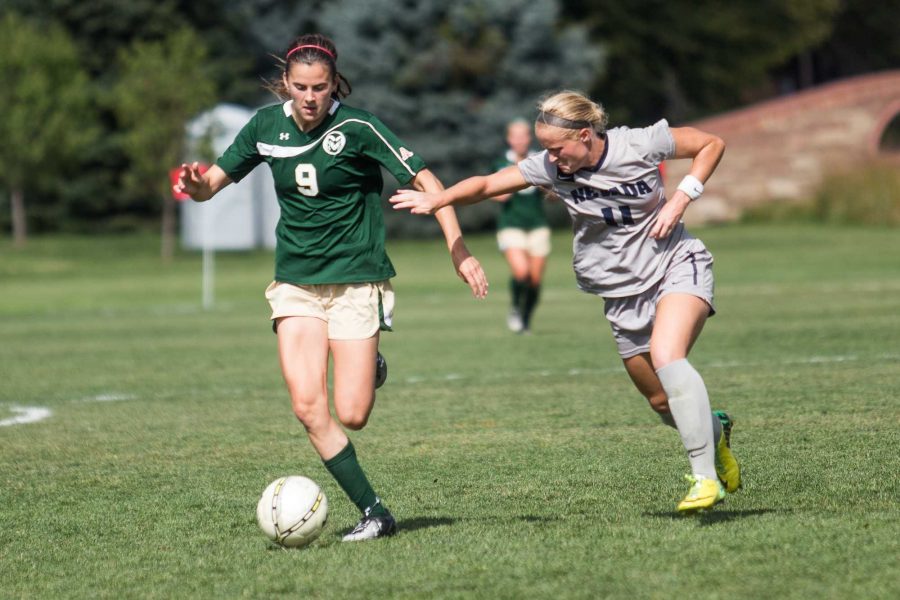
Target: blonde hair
<point x="572" y="111"/>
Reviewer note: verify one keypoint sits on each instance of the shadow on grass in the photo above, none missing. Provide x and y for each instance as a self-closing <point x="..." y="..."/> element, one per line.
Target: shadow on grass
<point x="716" y="516"/>
<point x="519" y="518"/>
<point x="404" y="525"/>
<point x="423" y="523"/>
<point x="408" y="525"/>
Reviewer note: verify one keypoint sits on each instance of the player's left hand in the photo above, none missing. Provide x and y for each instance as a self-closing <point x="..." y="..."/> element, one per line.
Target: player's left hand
<point x="669" y="215"/>
<point x="469" y="269"/>
<point x="418" y="203"/>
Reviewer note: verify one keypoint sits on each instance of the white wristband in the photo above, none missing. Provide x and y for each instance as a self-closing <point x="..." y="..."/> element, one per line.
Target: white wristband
<point x="691" y="186"/>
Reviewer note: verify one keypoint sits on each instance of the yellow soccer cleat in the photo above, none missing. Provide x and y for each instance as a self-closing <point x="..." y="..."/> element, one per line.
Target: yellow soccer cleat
<point x="727" y="467"/>
<point x="704" y="494"/>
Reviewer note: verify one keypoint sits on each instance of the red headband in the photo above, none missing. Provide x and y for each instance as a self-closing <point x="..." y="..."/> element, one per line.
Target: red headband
<point x="325" y="50"/>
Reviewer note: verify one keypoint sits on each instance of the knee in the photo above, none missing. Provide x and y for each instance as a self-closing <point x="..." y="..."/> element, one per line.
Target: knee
<point x="354" y="419"/>
<point x="659" y="402"/>
<point x="308" y="409"/>
<point x="662" y="356"/>
<point x="353" y="409"/>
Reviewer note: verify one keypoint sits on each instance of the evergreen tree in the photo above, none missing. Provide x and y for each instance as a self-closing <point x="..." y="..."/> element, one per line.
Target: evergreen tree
<point x="447" y="77"/>
<point x="686" y="58"/>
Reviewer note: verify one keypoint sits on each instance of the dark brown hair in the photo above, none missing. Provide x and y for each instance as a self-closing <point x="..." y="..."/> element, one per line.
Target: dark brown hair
<point x="309" y="49"/>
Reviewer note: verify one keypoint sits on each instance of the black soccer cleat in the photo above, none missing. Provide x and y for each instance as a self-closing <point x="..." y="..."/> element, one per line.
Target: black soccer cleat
<point x="380" y="370"/>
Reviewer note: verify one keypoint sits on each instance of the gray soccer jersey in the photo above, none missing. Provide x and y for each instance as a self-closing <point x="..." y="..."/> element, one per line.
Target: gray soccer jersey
<point x="613" y="206"/>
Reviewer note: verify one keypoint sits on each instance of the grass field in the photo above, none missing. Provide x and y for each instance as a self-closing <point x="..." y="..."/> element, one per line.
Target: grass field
<point x="519" y="467"/>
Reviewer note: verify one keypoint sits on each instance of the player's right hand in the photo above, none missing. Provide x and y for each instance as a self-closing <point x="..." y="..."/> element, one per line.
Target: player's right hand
<point x="189" y="179"/>
<point x="418" y="203"/>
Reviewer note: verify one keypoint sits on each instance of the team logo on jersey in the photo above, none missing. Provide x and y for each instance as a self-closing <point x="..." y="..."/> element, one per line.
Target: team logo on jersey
<point x="284" y="136"/>
<point x="405" y="154"/>
<point x="334" y="142"/>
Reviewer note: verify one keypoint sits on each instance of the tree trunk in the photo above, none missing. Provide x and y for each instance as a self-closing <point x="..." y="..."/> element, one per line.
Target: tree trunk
<point x="19" y="222"/>
<point x="168" y="228"/>
<point x="806" y="71"/>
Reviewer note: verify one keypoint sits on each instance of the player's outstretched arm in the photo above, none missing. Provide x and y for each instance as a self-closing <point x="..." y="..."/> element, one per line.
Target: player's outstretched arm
<point x="200" y="186"/>
<point x="467" y="266"/>
<point x="467" y="191"/>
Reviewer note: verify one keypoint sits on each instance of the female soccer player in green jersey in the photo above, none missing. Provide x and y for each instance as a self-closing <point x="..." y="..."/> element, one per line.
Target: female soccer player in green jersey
<point x="632" y="250"/>
<point x="331" y="294"/>
<point x="523" y="234"/>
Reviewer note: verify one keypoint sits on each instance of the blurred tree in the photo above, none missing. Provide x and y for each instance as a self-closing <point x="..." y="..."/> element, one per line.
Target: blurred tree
<point x="686" y="58"/>
<point x="160" y="87"/>
<point x="101" y="28"/>
<point x="45" y="103"/>
<point x="864" y="39"/>
<point x="446" y="77"/>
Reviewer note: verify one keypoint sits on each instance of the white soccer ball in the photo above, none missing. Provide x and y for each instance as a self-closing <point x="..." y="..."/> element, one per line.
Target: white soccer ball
<point x="292" y="511"/>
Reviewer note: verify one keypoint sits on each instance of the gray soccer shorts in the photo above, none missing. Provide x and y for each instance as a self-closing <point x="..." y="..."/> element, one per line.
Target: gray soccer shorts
<point x="631" y="317"/>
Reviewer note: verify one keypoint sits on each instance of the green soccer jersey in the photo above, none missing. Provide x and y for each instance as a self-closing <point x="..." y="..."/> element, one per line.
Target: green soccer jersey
<point x="524" y="209"/>
<point x="328" y="182"/>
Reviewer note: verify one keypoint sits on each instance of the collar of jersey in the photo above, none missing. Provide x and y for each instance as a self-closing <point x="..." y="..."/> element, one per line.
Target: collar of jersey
<point x="603" y="156"/>
<point x="286" y="108"/>
<point x="279" y="151"/>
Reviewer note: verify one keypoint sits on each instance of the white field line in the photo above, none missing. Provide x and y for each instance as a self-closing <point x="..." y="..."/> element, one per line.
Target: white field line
<point x="618" y="368"/>
<point x="26" y="414"/>
<point x="745" y="289"/>
<point x="108" y="398"/>
<point x="33" y="414"/>
<point x="774" y="289"/>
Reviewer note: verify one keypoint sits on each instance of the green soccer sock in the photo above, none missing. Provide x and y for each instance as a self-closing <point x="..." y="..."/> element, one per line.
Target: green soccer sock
<point x="517" y="292"/>
<point x="532" y="295"/>
<point x="345" y="469"/>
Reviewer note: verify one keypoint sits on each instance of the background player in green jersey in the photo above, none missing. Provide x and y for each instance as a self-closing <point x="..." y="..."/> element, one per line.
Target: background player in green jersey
<point x="631" y="249"/>
<point x="331" y="294"/>
<point x="523" y="234"/>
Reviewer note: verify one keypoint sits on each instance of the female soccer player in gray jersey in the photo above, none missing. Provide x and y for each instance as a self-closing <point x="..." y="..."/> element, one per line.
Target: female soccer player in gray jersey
<point x="631" y="249"/>
<point x="331" y="294"/>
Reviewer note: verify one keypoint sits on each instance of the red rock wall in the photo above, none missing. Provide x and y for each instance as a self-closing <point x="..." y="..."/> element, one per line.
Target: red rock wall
<point x="780" y="149"/>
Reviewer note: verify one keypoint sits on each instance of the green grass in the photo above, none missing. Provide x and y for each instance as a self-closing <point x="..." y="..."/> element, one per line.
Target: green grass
<point x="519" y="467"/>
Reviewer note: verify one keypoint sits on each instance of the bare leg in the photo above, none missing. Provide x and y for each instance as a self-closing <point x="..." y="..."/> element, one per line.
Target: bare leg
<point x="354" y="372"/>
<point x="303" y="352"/>
<point x="536" y="265"/>
<point x="641" y="371"/>
<point x="678" y="323"/>
<point x="517" y="259"/>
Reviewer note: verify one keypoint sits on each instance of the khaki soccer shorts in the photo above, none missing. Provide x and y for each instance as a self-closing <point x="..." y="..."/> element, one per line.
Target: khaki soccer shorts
<point x="535" y="242"/>
<point x="631" y="317"/>
<point x="353" y="311"/>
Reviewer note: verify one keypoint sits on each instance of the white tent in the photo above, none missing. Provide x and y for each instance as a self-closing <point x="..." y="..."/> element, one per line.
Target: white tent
<point x="242" y="216"/>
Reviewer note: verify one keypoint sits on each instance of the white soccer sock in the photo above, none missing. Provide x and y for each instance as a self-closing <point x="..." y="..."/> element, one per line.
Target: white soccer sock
<point x="689" y="403"/>
<point x="716" y="424"/>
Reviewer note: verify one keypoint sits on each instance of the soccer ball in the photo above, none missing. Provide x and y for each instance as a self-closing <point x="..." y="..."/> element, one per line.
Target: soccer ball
<point x="292" y="511"/>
